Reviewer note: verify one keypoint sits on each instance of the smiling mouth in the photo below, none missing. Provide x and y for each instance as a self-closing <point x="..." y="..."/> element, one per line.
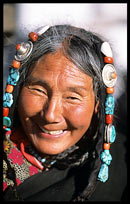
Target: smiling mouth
<point x="52" y="132"/>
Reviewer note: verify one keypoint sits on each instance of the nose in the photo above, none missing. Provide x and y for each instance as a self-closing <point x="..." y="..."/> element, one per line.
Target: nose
<point x="53" y="110"/>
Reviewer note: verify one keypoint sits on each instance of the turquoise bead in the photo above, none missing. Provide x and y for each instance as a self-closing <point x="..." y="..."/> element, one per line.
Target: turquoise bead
<point x="6" y="121"/>
<point x="103" y="173"/>
<point x="7" y="100"/>
<point x="109" y="104"/>
<point x="43" y="160"/>
<point x="106" y="157"/>
<point x="53" y="162"/>
<point x="13" y="77"/>
<point x="112" y="134"/>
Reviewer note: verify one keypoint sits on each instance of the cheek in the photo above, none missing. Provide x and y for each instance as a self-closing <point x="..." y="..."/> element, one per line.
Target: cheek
<point x="80" y="116"/>
<point x="28" y="105"/>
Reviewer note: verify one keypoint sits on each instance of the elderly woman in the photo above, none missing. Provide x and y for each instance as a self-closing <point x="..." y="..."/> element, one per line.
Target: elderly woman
<point x="58" y="116"/>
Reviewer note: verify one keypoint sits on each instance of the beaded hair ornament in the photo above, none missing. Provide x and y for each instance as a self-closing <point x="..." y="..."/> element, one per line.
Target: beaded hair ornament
<point x="109" y="78"/>
<point x="23" y="51"/>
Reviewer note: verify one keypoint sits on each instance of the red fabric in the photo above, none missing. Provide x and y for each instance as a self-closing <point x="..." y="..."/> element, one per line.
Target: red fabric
<point x="20" y="142"/>
<point x="16" y="154"/>
<point x="30" y="158"/>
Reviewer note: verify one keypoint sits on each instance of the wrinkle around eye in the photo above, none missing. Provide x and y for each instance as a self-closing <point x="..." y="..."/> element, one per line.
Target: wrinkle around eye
<point x="72" y="100"/>
<point x="36" y="90"/>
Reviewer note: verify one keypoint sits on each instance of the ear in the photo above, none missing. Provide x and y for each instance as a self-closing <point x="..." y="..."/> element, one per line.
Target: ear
<point x="96" y="107"/>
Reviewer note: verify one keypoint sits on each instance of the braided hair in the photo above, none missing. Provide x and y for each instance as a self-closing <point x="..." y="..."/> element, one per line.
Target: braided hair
<point x="83" y="49"/>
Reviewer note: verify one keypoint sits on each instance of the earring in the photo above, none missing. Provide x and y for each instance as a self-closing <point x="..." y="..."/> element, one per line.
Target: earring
<point x="109" y="78"/>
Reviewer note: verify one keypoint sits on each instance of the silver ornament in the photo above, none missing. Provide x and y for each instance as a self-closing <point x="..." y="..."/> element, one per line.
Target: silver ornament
<point x="107" y="75"/>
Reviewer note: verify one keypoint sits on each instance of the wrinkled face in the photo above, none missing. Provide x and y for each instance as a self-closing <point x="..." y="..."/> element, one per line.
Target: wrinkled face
<point x="57" y="104"/>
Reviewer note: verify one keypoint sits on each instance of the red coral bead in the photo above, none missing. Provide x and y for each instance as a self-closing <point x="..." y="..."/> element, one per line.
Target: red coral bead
<point x="9" y="88"/>
<point x="33" y="36"/>
<point x="8" y="132"/>
<point x="110" y="90"/>
<point x="16" y="64"/>
<point x="18" y="46"/>
<point x="109" y="119"/>
<point x="5" y="111"/>
<point x="106" y="146"/>
<point x="108" y="60"/>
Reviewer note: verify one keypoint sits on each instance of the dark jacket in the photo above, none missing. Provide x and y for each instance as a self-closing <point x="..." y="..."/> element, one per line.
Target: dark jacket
<point x="62" y="185"/>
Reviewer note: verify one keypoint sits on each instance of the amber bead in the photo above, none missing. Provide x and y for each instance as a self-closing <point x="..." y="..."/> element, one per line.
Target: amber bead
<point x="113" y="75"/>
<point x="106" y="146"/>
<point x="5" y="111"/>
<point x="110" y="90"/>
<point x="109" y="119"/>
<point x="9" y="88"/>
<point x="16" y="64"/>
<point x="33" y="36"/>
<point x="108" y="60"/>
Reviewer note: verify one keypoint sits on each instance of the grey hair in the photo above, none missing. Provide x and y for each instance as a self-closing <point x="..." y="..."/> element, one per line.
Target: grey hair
<point x="78" y="45"/>
<point x="83" y="49"/>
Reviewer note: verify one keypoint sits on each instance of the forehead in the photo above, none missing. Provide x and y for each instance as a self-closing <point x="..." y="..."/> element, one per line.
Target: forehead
<point x="56" y="66"/>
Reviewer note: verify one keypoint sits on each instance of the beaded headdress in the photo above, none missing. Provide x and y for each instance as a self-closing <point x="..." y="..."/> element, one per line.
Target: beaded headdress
<point x="23" y="51"/>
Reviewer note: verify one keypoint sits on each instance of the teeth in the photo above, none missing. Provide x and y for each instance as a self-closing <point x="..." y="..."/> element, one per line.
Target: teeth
<point x="56" y="132"/>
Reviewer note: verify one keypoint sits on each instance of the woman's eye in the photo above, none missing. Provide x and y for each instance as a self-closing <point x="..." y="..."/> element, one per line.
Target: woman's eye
<point x="38" y="90"/>
<point x="73" y="98"/>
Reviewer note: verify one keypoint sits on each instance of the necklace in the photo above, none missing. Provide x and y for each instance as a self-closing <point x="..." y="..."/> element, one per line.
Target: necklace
<point x="47" y="162"/>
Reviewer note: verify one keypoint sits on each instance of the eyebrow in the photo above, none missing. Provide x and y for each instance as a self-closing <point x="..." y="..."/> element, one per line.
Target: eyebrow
<point x="42" y="82"/>
<point x="37" y="81"/>
<point x="76" y="89"/>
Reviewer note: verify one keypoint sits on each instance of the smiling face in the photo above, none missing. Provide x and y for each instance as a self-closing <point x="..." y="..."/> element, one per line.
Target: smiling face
<point x="56" y="104"/>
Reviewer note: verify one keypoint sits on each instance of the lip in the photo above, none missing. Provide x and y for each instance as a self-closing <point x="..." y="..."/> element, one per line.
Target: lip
<point x="52" y="136"/>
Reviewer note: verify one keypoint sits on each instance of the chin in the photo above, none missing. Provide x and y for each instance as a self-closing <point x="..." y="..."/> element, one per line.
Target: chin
<point x="50" y="149"/>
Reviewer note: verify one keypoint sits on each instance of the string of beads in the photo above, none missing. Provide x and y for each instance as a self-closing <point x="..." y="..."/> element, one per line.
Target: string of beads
<point x="109" y="78"/>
